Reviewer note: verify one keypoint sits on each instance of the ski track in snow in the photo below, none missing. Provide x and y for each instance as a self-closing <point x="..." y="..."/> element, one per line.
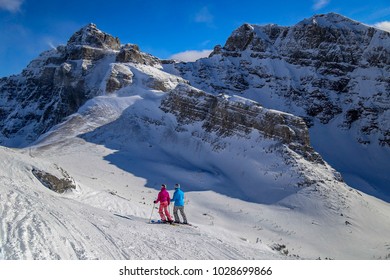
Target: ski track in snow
<point x="38" y="225"/>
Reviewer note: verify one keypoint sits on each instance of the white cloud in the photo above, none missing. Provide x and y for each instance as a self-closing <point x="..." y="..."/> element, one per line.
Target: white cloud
<point x="319" y="4"/>
<point x="188" y="56"/>
<point x="50" y="42"/>
<point x="11" y="5"/>
<point x="384" y="25"/>
<point x="204" y="16"/>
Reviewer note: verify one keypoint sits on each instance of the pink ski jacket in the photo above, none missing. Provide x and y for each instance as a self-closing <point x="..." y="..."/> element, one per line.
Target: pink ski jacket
<point x="163" y="196"/>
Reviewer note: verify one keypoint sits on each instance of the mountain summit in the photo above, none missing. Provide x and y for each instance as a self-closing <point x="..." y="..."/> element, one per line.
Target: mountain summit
<point x="91" y="36"/>
<point x="333" y="21"/>
<point x="329" y="38"/>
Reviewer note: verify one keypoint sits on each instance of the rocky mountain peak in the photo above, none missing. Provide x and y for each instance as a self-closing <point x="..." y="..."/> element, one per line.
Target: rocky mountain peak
<point x="331" y="20"/>
<point x="91" y="36"/>
<point x="240" y="38"/>
<point x="322" y="31"/>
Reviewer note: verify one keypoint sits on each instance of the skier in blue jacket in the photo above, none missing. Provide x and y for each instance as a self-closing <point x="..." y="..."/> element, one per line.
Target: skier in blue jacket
<point x="178" y="198"/>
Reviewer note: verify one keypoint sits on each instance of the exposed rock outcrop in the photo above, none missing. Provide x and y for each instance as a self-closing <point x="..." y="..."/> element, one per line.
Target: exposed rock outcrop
<point x="132" y="53"/>
<point x="233" y="115"/>
<point x="91" y="36"/>
<point x="59" y="185"/>
<point x="120" y="77"/>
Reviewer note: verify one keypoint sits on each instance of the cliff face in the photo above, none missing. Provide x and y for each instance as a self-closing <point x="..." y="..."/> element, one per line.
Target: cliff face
<point x="323" y="40"/>
<point x="226" y="116"/>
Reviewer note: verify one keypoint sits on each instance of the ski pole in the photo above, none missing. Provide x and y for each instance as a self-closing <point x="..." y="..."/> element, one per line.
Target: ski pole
<point x="150" y="219"/>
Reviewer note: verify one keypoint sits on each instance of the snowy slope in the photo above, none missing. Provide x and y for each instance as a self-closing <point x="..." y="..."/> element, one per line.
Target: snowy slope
<point x="36" y="223"/>
<point x="118" y="155"/>
<point x="106" y="216"/>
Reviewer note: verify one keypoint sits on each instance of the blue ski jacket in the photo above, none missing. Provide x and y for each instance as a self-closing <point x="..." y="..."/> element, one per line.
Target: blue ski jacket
<point x="178" y="197"/>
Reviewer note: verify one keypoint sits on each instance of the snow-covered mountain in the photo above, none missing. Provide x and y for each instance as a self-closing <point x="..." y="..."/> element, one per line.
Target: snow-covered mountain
<point x="94" y="128"/>
<point x="59" y="81"/>
<point x="328" y="69"/>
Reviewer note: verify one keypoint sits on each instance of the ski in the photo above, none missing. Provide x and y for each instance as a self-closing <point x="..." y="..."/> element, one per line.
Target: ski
<point x="161" y="222"/>
<point x="172" y="224"/>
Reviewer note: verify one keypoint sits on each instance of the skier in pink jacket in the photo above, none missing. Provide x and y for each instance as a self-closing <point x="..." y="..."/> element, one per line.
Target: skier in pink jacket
<point x="165" y="200"/>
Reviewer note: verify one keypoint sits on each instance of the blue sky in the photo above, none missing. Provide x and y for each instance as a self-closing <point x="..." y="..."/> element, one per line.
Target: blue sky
<point x="164" y="28"/>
